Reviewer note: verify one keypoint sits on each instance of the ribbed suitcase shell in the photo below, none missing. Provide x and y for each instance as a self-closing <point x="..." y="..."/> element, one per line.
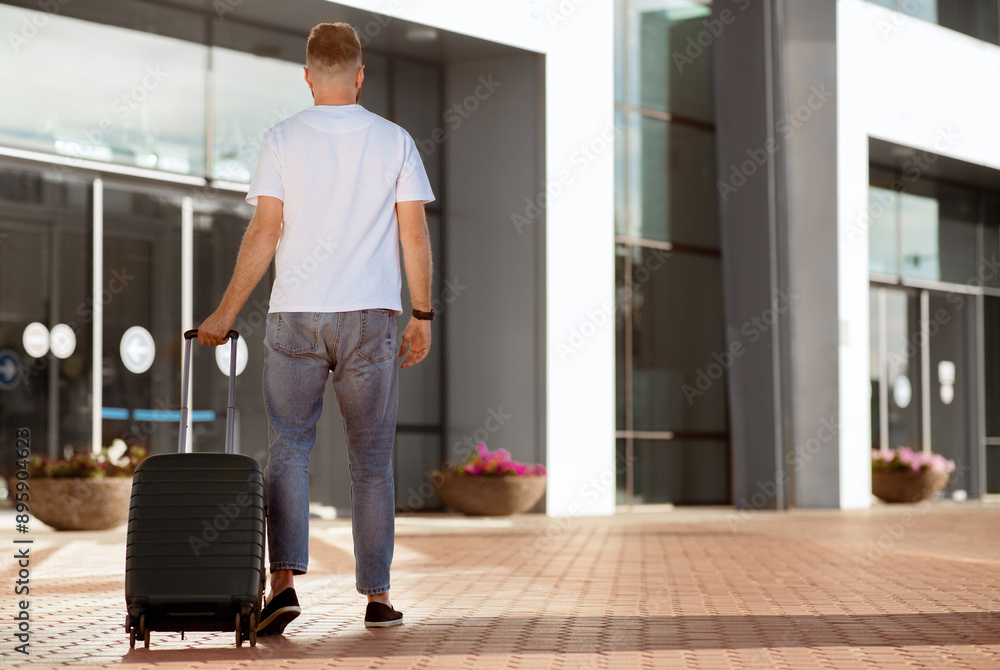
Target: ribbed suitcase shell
<point x="195" y="545"/>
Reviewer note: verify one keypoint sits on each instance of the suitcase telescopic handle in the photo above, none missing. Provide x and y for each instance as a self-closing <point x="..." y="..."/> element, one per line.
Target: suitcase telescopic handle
<point x="189" y="336"/>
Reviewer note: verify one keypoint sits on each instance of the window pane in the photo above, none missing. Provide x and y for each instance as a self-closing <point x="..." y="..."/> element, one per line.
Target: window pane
<point x="991" y="374"/>
<point x="414" y="457"/>
<point x="375" y="89"/>
<point x="141" y="268"/>
<point x="417" y="108"/>
<point x="959" y="210"/>
<point x="874" y="366"/>
<point x="620" y="306"/>
<point x="921" y="9"/>
<point x="672" y="175"/>
<point x="918" y="222"/>
<point x="882" y="254"/>
<point x="621" y="176"/>
<point x="219" y="226"/>
<point x="678" y="382"/>
<point x="976" y="18"/>
<point x="45" y="278"/>
<point x="670" y="59"/>
<point x="990" y="260"/>
<point x="685" y="472"/>
<point x="420" y="385"/>
<point x="621" y="485"/>
<point x="243" y="111"/>
<point x="939" y="234"/>
<point x="105" y="93"/>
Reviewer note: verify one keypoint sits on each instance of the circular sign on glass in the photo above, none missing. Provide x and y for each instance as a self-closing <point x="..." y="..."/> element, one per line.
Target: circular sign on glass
<point x="62" y="340"/>
<point x="902" y="392"/>
<point x="35" y="339"/>
<point x="10" y="369"/>
<point x="223" y="353"/>
<point x="137" y="349"/>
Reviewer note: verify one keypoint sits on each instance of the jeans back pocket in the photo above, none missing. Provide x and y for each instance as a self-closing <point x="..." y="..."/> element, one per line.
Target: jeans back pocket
<point x="378" y="335"/>
<point x="295" y="332"/>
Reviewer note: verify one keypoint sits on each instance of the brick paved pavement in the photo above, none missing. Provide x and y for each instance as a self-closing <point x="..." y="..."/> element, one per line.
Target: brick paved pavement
<point x="894" y="587"/>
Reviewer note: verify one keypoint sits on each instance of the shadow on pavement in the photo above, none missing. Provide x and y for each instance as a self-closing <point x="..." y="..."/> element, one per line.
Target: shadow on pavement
<point x="600" y="634"/>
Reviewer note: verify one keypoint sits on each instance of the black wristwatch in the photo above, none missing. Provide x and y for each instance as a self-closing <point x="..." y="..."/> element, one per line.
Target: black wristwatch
<point x="423" y="316"/>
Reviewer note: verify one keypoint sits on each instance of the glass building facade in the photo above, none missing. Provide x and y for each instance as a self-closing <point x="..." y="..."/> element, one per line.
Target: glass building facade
<point x="165" y="98"/>
<point x="672" y="433"/>
<point x="934" y="263"/>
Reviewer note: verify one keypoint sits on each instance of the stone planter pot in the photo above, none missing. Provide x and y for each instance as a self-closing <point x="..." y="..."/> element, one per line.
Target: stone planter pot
<point x="74" y="503"/>
<point x="488" y="496"/>
<point x="908" y="487"/>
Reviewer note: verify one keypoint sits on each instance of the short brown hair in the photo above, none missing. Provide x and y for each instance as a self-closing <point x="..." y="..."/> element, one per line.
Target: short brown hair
<point x="333" y="48"/>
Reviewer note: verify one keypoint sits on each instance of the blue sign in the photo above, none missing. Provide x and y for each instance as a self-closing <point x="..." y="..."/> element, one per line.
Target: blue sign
<point x="10" y="369"/>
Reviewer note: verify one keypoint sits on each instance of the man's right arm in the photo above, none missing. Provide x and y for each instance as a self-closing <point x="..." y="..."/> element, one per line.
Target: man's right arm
<point x="255" y="255"/>
<point x="416" y="242"/>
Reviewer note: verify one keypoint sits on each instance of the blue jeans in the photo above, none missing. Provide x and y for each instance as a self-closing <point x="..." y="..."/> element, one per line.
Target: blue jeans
<point x="302" y="349"/>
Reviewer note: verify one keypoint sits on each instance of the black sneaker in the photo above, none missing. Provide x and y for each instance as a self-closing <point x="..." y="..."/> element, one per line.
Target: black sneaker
<point x="379" y="615"/>
<point x="283" y="608"/>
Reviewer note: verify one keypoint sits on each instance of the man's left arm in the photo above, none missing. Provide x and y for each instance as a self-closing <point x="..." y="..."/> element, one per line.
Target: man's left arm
<point x="256" y="251"/>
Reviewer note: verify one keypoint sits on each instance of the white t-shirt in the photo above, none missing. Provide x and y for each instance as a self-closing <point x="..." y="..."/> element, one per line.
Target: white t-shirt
<point x="339" y="170"/>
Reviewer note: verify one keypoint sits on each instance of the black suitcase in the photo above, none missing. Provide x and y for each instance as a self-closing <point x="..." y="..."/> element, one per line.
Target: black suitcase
<point x="194" y="556"/>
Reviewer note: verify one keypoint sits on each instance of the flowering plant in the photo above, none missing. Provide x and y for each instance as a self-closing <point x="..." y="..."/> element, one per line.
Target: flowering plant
<point x="118" y="460"/>
<point x="905" y="459"/>
<point x="486" y="463"/>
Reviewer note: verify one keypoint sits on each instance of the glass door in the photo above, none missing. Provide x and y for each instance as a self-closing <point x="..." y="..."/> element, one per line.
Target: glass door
<point x="922" y="374"/>
<point x="140" y="301"/>
<point x="895" y="369"/>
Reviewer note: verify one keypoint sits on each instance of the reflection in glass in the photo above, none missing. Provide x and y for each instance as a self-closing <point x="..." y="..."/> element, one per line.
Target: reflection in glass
<point x="875" y="365"/>
<point x="681" y="471"/>
<point x="959" y="213"/>
<point x="918" y="221"/>
<point x="416" y="90"/>
<point x="673" y="195"/>
<point x="243" y="113"/>
<point x="678" y="378"/>
<point x="671" y="57"/>
<point x="621" y="296"/>
<point x="990" y="254"/>
<point x="142" y="244"/>
<point x="902" y="325"/>
<point x="882" y="231"/>
<point x="104" y="93"/>
<point x="218" y="229"/>
<point x="45" y="278"/>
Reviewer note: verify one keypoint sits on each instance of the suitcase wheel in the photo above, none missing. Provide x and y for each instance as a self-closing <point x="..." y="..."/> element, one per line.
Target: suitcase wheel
<point x="253" y="629"/>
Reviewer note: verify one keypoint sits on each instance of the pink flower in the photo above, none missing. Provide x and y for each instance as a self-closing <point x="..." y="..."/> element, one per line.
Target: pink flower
<point x="482" y="450"/>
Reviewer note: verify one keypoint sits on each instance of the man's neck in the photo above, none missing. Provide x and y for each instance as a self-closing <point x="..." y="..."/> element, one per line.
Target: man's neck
<point x="335" y="98"/>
